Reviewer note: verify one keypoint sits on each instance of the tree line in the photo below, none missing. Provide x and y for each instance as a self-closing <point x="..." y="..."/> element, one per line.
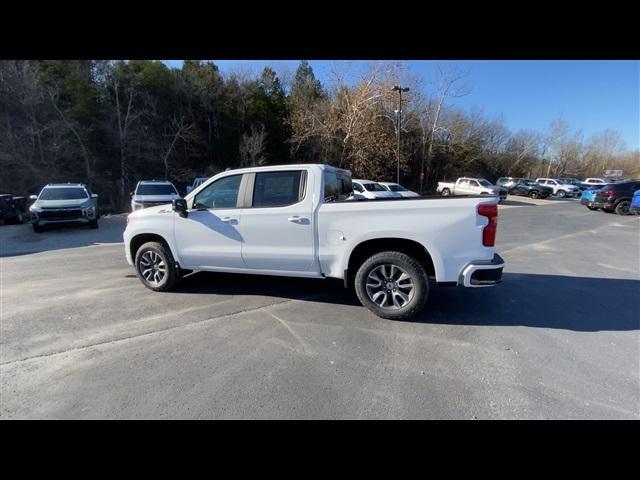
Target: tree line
<point x="112" y="123"/>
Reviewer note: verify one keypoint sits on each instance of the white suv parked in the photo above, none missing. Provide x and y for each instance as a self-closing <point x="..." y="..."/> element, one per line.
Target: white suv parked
<point x="559" y="189"/>
<point x="149" y="193"/>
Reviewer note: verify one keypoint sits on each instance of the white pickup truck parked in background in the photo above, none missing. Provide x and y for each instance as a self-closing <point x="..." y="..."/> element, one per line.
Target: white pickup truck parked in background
<point x="295" y="220"/>
<point x="471" y="186"/>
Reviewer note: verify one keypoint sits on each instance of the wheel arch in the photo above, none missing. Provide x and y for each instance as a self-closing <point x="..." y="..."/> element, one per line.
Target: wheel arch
<point x="140" y="239"/>
<point x="370" y="247"/>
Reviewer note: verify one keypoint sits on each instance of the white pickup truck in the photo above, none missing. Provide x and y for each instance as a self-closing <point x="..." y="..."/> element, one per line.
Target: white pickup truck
<point x="471" y="186"/>
<point x="302" y="221"/>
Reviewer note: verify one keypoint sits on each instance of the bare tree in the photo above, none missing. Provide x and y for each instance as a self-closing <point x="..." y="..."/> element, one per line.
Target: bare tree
<point x="252" y="147"/>
<point x="447" y="84"/>
<point x="177" y="130"/>
<point x="126" y="115"/>
<point x="524" y="144"/>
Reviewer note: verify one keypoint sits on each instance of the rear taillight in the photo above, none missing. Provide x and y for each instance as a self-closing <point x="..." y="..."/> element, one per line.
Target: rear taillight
<point x="610" y="193"/>
<point x="489" y="232"/>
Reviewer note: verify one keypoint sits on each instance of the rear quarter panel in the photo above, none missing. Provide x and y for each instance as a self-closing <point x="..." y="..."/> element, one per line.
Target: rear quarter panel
<point x="449" y="228"/>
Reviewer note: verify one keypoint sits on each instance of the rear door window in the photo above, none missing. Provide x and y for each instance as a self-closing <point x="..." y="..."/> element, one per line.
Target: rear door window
<point x="278" y="189"/>
<point x="337" y="186"/>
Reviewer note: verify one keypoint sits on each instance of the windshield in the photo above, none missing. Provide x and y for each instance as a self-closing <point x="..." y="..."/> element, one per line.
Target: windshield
<point x="155" y="189"/>
<point x="374" y="187"/>
<point x="485" y="183"/>
<point x="63" y="193"/>
<point x="397" y="188"/>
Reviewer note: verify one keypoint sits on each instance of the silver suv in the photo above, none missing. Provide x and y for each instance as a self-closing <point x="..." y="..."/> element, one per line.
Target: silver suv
<point x="149" y="193"/>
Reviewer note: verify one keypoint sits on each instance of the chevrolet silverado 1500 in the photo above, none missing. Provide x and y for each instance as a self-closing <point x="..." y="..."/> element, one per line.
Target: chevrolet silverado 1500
<point x="303" y="221"/>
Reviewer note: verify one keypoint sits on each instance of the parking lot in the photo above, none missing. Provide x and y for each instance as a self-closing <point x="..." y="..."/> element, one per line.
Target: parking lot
<point x="559" y="338"/>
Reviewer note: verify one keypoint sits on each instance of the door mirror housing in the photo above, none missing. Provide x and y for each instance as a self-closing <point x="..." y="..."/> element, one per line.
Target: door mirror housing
<point x="179" y="205"/>
<point x="33" y="197"/>
<point x="94" y="195"/>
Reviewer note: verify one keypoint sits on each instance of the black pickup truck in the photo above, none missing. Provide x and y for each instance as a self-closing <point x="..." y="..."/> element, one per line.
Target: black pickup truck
<point x="12" y="209"/>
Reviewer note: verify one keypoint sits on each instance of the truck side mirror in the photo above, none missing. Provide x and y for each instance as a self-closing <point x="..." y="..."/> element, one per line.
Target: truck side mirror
<point x="179" y="205"/>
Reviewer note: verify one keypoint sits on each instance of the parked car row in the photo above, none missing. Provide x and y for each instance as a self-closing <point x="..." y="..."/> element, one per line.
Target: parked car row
<point x="622" y="198"/>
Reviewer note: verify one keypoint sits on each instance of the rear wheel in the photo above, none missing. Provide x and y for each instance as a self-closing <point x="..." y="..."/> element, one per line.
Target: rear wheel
<point x="155" y="267"/>
<point x="392" y="285"/>
<point x="622" y="208"/>
<point x="446" y="192"/>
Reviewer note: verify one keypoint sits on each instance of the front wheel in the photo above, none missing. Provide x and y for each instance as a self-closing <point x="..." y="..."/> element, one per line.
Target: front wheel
<point x="592" y="208"/>
<point x="446" y="192"/>
<point x="37" y="228"/>
<point x="155" y="267"/>
<point x="533" y="194"/>
<point x="93" y="224"/>
<point x="561" y="194"/>
<point x="392" y="285"/>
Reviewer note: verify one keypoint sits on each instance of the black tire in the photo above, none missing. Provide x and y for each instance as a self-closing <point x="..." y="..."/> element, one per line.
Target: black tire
<point x="170" y="277"/>
<point x="592" y="208"/>
<point x="534" y="194"/>
<point x="622" y="208"/>
<point x="445" y="192"/>
<point x="561" y="194"/>
<point x="37" y="228"/>
<point x="411" y="267"/>
<point x="93" y="224"/>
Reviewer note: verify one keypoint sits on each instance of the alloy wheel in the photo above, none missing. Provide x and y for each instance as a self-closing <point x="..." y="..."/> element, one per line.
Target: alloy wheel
<point x="390" y="286"/>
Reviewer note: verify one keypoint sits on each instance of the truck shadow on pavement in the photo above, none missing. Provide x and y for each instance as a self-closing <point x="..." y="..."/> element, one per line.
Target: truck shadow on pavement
<point x="582" y="304"/>
<point x="522" y="299"/>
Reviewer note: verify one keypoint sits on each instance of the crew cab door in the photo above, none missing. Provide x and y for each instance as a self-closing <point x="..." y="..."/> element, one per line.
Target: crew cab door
<point x="209" y="236"/>
<point x="278" y="223"/>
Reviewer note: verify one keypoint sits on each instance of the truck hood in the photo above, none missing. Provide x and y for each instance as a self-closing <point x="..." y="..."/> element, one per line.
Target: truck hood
<point x="83" y="202"/>
<point x="151" y="211"/>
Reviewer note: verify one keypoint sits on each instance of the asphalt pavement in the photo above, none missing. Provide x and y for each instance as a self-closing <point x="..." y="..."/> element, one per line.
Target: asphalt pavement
<point x="80" y="337"/>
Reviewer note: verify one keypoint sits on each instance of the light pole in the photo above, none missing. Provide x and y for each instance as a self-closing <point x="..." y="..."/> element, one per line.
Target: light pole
<point x="399" y="89"/>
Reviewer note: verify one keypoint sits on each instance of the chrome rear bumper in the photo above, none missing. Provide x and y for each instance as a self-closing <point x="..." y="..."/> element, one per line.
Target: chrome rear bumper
<point x="482" y="273"/>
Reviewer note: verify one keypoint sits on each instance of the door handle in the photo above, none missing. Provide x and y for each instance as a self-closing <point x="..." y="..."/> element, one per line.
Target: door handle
<point x="228" y="220"/>
<point x="296" y="219"/>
